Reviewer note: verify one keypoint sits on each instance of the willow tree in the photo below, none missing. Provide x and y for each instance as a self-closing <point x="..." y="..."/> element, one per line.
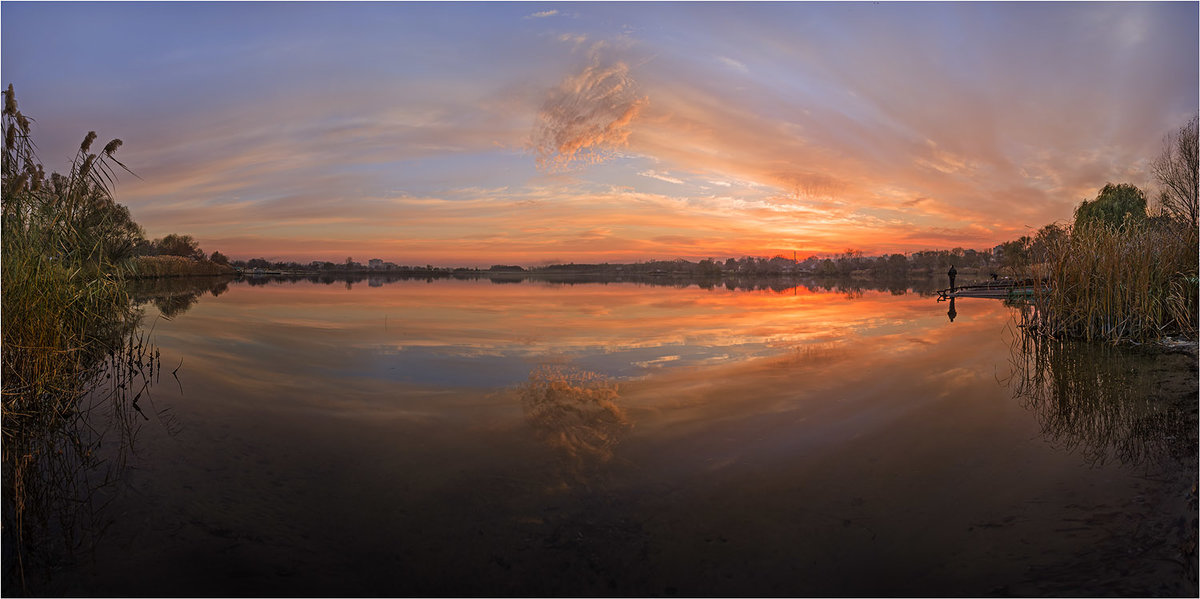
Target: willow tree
<point x="1116" y="205"/>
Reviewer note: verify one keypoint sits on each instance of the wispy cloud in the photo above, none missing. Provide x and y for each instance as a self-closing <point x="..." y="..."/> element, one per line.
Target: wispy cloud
<point x="733" y="64"/>
<point x="661" y="176"/>
<point x="542" y="14"/>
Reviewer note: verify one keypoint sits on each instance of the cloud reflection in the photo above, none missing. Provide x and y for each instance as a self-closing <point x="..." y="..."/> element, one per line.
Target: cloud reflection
<point x="576" y="413"/>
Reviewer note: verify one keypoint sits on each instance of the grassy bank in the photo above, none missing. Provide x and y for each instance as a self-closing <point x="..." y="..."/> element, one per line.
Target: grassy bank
<point x="1136" y="282"/>
<point x="142" y="267"/>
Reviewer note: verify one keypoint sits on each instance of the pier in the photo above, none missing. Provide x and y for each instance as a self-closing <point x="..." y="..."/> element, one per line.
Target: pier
<point x="1003" y="289"/>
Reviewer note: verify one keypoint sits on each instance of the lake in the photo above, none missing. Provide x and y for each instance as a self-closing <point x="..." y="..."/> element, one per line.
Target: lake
<point x="469" y="437"/>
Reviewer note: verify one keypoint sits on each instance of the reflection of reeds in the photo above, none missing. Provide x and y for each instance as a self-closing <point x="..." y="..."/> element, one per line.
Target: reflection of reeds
<point x="1104" y="401"/>
<point x="575" y="412"/>
<point x="64" y="444"/>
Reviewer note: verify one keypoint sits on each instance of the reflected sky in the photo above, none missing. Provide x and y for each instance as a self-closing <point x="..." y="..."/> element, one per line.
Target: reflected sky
<point x="476" y="334"/>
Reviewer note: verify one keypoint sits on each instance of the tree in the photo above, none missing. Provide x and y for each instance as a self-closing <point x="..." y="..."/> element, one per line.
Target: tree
<point x="179" y="245"/>
<point x="109" y="225"/>
<point x="219" y="258"/>
<point x="1015" y="254"/>
<point x="1048" y="241"/>
<point x="1178" y="171"/>
<point x="1115" y="205"/>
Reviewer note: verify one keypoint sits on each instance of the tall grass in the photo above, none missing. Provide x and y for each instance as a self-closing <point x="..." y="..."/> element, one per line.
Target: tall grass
<point x="1132" y="283"/>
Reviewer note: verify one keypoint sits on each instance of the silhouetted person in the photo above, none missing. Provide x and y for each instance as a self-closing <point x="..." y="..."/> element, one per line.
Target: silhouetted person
<point x="951" y="312"/>
<point x="952" y="274"/>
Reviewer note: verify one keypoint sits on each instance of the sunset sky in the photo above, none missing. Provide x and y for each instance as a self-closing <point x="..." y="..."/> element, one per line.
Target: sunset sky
<point x="529" y="133"/>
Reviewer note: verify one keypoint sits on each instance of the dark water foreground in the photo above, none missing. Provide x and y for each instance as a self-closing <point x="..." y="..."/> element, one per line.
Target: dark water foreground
<point x="467" y="438"/>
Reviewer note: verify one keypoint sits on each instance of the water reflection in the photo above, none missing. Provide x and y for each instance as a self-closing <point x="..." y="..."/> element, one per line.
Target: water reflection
<point x="850" y="287"/>
<point x="65" y="448"/>
<point x="1103" y="401"/>
<point x="72" y="418"/>
<point x="445" y="334"/>
<point x="576" y="414"/>
<point x="860" y="440"/>
<point x="174" y="296"/>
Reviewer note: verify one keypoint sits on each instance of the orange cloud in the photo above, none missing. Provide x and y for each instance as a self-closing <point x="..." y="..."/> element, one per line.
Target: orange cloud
<point x="587" y="116"/>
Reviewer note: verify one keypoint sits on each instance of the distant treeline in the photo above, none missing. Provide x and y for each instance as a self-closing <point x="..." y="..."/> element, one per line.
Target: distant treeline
<point x="851" y="262"/>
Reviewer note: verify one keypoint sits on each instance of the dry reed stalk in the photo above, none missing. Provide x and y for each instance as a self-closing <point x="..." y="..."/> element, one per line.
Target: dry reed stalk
<point x="1134" y="283"/>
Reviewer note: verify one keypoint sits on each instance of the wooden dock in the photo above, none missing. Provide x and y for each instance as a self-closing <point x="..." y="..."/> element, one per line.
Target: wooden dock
<point x="1003" y="289"/>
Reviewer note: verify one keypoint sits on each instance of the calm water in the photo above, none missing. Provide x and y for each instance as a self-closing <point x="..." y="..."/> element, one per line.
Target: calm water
<point x="467" y="437"/>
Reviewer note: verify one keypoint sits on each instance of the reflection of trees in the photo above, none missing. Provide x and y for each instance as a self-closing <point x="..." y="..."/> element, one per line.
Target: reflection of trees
<point x="176" y="295"/>
<point x="142" y="289"/>
<point x="171" y="306"/>
<point x="575" y="413"/>
<point x="851" y="286"/>
<point x="1104" y="401"/>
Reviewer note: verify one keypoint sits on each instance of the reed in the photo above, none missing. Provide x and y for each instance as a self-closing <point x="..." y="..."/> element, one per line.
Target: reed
<point x="1137" y="282"/>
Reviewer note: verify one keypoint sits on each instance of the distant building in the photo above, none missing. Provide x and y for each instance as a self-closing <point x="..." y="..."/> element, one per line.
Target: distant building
<point x="374" y="263"/>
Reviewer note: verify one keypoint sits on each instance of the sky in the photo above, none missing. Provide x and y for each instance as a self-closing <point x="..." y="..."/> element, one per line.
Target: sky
<point x="470" y="134"/>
